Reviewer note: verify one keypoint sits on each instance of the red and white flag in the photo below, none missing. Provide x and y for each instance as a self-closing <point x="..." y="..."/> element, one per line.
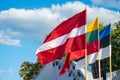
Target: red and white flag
<point x="68" y="37"/>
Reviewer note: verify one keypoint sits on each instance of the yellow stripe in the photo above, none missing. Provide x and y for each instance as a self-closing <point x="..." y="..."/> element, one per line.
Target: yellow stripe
<point x="65" y="56"/>
<point x="93" y="25"/>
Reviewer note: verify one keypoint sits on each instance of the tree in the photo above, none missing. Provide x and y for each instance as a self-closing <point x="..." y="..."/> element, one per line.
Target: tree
<point x="29" y="70"/>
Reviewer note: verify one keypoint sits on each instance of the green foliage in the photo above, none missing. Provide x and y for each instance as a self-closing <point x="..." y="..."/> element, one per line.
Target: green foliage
<point x="101" y="27"/>
<point x="115" y="40"/>
<point x="29" y="70"/>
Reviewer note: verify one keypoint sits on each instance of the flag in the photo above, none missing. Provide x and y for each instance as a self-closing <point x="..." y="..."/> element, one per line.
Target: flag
<point x="105" y="42"/>
<point x="92" y="46"/>
<point x="105" y="52"/>
<point x="93" y="43"/>
<point x="64" y="39"/>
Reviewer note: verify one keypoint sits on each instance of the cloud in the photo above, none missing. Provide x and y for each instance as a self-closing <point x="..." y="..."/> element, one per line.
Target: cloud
<point x="9" y="71"/>
<point x="36" y="23"/>
<point x="5" y="39"/>
<point x="106" y="3"/>
<point x="1" y="71"/>
<point x="29" y="23"/>
<point x="106" y="16"/>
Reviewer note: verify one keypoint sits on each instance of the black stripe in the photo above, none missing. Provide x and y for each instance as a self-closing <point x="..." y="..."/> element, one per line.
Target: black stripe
<point x="79" y="59"/>
<point x="104" y="42"/>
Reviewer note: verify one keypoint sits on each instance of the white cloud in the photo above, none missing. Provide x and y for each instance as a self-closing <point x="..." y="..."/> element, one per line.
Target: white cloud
<point x="1" y="71"/>
<point x="106" y="3"/>
<point x="5" y="39"/>
<point x="30" y="23"/>
<point x="36" y="23"/>
<point x="106" y="16"/>
<point x="9" y="71"/>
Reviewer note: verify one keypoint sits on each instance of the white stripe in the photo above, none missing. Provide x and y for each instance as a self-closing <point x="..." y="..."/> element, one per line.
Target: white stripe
<point x="91" y="59"/>
<point x="104" y="53"/>
<point x="62" y="39"/>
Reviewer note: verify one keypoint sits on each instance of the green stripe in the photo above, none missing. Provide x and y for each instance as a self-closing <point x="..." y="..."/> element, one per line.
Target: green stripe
<point x="92" y="36"/>
<point x="104" y="42"/>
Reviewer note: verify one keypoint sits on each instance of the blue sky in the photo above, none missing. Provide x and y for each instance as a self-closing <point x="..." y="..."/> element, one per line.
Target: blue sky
<point x="25" y="23"/>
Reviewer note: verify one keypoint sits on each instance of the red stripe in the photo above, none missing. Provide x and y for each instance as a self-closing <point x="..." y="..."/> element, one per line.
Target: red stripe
<point x="66" y="26"/>
<point x="93" y="47"/>
<point x="72" y="45"/>
<point x="77" y="54"/>
<point x="75" y="44"/>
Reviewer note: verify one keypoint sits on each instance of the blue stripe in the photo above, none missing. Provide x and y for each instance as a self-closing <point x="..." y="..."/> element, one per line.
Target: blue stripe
<point x="105" y="32"/>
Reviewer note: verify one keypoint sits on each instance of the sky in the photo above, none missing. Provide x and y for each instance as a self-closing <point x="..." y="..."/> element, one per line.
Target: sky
<point x="24" y="25"/>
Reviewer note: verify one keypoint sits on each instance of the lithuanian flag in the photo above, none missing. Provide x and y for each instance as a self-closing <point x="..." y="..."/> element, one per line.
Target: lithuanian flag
<point x="93" y="43"/>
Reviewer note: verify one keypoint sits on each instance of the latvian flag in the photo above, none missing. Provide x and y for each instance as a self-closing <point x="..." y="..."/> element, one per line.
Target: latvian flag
<point x="68" y="37"/>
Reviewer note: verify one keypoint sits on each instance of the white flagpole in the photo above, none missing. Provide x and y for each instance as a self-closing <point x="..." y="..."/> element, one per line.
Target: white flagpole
<point x="99" y="65"/>
<point x="110" y="56"/>
<point x="86" y="63"/>
<point x="110" y="67"/>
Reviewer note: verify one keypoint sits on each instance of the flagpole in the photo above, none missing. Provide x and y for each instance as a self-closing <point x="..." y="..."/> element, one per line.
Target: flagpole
<point x="110" y="56"/>
<point x="86" y="73"/>
<point x="110" y="68"/>
<point x="99" y="65"/>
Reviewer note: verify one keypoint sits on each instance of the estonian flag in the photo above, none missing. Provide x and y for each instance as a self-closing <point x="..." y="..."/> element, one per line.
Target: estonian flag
<point x="105" y="52"/>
